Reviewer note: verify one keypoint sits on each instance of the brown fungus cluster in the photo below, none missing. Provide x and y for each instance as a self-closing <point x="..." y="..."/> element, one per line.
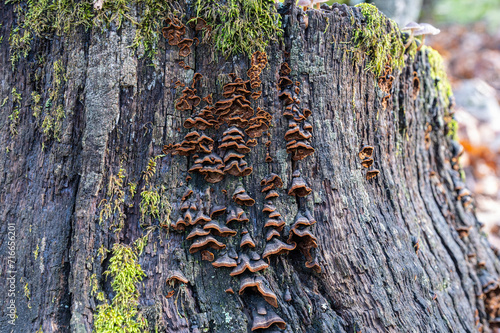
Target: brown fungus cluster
<point x="365" y="154"/>
<point x="385" y="82"/>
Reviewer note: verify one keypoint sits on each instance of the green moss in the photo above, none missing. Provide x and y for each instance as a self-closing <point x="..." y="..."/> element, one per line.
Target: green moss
<point x="14" y="115"/>
<point x="36" y="107"/>
<point x="438" y="73"/>
<point x="39" y="18"/>
<point x="453" y="129"/>
<point x="112" y="208"/>
<point x="240" y="26"/>
<point x="373" y="40"/>
<point x="122" y="314"/>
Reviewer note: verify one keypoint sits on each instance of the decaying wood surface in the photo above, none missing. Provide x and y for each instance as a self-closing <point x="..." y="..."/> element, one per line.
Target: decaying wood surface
<point x="398" y="252"/>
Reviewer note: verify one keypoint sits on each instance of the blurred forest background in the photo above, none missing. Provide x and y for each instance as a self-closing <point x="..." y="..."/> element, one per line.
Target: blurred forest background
<point x="470" y="45"/>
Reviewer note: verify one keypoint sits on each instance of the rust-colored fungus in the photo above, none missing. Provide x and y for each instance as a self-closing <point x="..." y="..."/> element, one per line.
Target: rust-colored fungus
<point x="314" y="265"/>
<point x="372" y="174"/>
<point x="366" y="152"/>
<point x="185" y="47"/>
<point x="174" y="31"/>
<point x="179" y="224"/>
<point x="367" y="162"/>
<point x="275" y="223"/>
<point x="268" y="207"/>
<point x="274" y="215"/>
<point x="216" y="211"/>
<point x="247" y="240"/>
<point x="242" y="198"/>
<point x="272" y="194"/>
<point x="265" y="321"/>
<point x="285" y="69"/>
<point x="258" y="284"/>
<point x="197" y="232"/>
<point x="463" y="231"/>
<point x="188" y="100"/>
<point x="297" y="133"/>
<point x="269" y="159"/>
<point x="224" y="261"/>
<point x="385" y="101"/>
<point x="208" y="99"/>
<point x="229" y="291"/>
<point x="201" y="218"/>
<point x="237" y="215"/>
<point x="219" y="230"/>
<point x="272" y="233"/>
<point x="244" y="263"/>
<point x="176" y="275"/>
<point x="198" y="24"/>
<point x="299" y="186"/>
<point x="207" y="255"/>
<point x="286" y="97"/>
<point x="206" y="242"/>
<point x="210" y="166"/>
<point x="277" y="247"/>
<point x="251" y="142"/>
<point x="256" y="94"/>
<point x="272" y="181"/>
<point x="415" y="86"/>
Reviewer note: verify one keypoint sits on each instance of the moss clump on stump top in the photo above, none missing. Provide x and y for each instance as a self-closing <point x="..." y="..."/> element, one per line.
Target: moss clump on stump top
<point x="240" y="26"/>
<point x="380" y="46"/>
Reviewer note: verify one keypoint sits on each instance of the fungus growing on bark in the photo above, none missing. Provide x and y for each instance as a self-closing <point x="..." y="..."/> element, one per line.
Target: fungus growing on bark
<point x="198" y="24"/>
<point x="242" y="198"/>
<point x="274" y="215"/>
<point x="259" y="285"/>
<point x="174" y="31"/>
<point x="210" y="166"/>
<point x="271" y="182"/>
<point x="415" y="86"/>
<point x="201" y="218"/>
<point x="463" y="231"/>
<point x="385" y="100"/>
<point x="367" y="162"/>
<point x="268" y="207"/>
<point x="216" y="211"/>
<point x="296" y="133"/>
<point x="244" y="263"/>
<point x="188" y="100"/>
<point x="176" y="275"/>
<point x="251" y="142"/>
<point x="269" y="159"/>
<point x="265" y="321"/>
<point x="197" y="231"/>
<point x="219" y="230"/>
<point x="185" y="47"/>
<point x="314" y="265"/>
<point x="372" y="174"/>
<point x="286" y="97"/>
<point x="237" y="215"/>
<point x="277" y="247"/>
<point x="206" y="242"/>
<point x="207" y="255"/>
<point x="224" y="261"/>
<point x="412" y="27"/>
<point x="366" y="152"/>
<point x="299" y="187"/>
<point x="275" y="223"/>
<point x="272" y="194"/>
<point x="179" y="224"/>
<point x="305" y="220"/>
<point x="247" y="240"/>
<point x="229" y="291"/>
<point x="272" y="233"/>
<point x="299" y="149"/>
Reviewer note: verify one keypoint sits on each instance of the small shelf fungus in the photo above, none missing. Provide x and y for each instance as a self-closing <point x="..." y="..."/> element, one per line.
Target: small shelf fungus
<point x="174" y="31"/>
<point x="225" y="261"/>
<point x="365" y="152"/>
<point x="415" y="86"/>
<point x="217" y="211"/>
<point x="267" y="320"/>
<point x="272" y="181"/>
<point x="251" y="264"/>
<point x="201" y="121"/>
<point x="277" y="247"/>
<point x="188" y="100"/>
<point x="241" y="197"/>
<point x="299" y="187"/>
<point x="247" y="240"/>
<point x="258" y="284"/>
<point x="210" y="166"/>
<point x="207" y="255"/>
<point x="197" y="231"/>
<point x="176" y="275"/>
<point x="278" y="224"/>
<point x="372" y="173"/>
<point x="236" y="215"/>
<point x="219" y="230"/>
<point x="271" y="195"/>
<point x="204" y="243"/>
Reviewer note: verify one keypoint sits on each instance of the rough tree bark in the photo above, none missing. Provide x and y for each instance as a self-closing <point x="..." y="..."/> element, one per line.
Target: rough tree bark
<point x="398" y="252"/>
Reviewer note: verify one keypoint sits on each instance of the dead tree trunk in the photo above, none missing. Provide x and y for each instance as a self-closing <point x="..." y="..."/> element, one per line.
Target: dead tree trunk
<point x="396" y="251"/>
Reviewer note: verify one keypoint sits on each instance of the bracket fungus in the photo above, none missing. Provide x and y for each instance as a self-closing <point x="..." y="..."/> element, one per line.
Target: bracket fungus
<point x="174" y="31"/>
<point x="176" y="275"/>
<point x="245" y="263"/>
<point x="247" y="240"/>
<point x="216" y="211"/>
<point x="206" y="242"/>
<point x="237" y="215"/>
<point x="265" y="321"/>
<point x="271" y="182"/>
<point x="372" y="174"/>
<point x="258" y="284"/>
<point x="365" y="152"/>
<point x="277" y="247"/>
<point x="207" y="255"/>
<point x="225" y="261"/>
<point x="299" y="187"/>
<point x="241" y="197"/>
<point x="219" y="230"/>
<point x="197" y="231"/>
